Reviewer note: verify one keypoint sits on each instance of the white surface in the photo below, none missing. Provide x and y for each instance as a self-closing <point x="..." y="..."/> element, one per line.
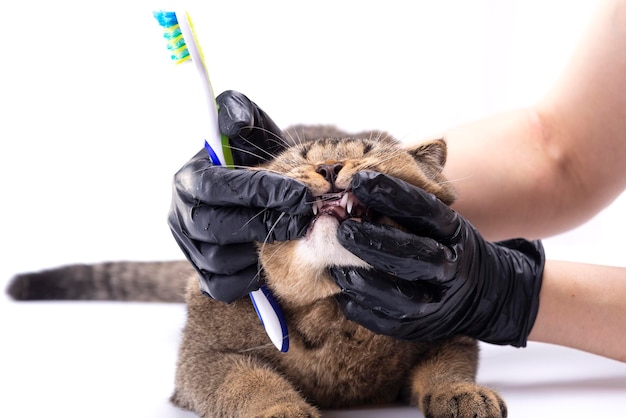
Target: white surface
<point x="108" y="359"/>
<point x="92" y="132"/>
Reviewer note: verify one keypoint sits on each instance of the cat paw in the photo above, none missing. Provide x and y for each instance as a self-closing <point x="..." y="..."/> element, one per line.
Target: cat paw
<point x="465" y="400"/>
<point x="289" y="410"/>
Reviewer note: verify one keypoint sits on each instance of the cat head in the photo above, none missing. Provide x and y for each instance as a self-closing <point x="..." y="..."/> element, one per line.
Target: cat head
<point x="325" y="160"/>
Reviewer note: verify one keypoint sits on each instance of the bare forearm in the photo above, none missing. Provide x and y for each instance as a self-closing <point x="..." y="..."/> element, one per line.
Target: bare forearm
<point x="504" y="176"/>
<point x="542" y="170"/>
<point x="582" y="306"/>
<point x="516" y="177"/>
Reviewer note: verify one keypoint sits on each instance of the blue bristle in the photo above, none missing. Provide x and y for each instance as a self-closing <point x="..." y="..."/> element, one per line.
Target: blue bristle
<point x="172" y="33"/>
<point x="165" y="19"/>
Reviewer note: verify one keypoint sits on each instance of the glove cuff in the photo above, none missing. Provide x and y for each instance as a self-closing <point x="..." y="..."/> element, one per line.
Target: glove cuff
<point x="532" y="280"/>
<point x="519" y="303"/>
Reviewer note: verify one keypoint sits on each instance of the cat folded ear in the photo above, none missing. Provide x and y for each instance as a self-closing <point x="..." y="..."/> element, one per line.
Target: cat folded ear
<point x="431" y="156"/>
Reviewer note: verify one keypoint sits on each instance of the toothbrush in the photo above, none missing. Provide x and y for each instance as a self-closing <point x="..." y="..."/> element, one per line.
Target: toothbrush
<point x="184" y="47"/>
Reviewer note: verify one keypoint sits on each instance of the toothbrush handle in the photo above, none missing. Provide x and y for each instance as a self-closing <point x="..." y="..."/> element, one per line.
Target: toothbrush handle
<point x="271" y="316"/>
<point x="212" y="134"/>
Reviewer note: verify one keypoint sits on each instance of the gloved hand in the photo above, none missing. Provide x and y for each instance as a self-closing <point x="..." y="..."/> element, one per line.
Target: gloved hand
<point x="438" y="279"/>
<point x="218" y="212"/>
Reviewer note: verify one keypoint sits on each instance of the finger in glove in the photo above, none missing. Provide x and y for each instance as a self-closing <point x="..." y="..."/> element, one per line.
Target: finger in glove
<point x="410" y="206"/>
<point x="389" y="297"/>
<point x="222" y="259"/>
<point x="220" y="186"/>
<point x="228" y="287"/>
<point x="388" y="249"/>
<point x="365" y="316"/>
<point x="253" y="136"/>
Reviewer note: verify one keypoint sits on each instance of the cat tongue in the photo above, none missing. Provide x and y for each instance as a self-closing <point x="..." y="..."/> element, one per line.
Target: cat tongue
<point x="334" y="204"/>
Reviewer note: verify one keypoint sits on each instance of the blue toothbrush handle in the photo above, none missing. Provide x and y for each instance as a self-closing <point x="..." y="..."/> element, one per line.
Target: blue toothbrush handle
<point x="271" y="317"/>
<point x="267" y="308"/>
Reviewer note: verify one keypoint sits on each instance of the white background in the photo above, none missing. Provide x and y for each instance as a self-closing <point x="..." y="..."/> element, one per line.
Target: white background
<point x="95" y="120"/>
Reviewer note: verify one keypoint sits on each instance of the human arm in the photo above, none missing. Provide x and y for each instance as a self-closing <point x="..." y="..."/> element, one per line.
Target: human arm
<point x="438" y="277"/>
<point x="549" y="167"/>
<point x="541" y="170"/>
<point x="218" y="212"/>
<point x="582" y="306"/>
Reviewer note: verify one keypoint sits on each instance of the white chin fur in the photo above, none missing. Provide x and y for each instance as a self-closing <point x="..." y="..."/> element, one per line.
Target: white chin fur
<point x="320" y="248"/>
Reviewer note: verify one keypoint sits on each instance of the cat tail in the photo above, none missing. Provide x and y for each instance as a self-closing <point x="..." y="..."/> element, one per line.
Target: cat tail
<point x="161" y="281"/>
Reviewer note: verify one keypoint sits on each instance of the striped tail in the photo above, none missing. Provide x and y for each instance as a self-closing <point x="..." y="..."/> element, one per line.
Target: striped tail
<point x="162" y="281"/>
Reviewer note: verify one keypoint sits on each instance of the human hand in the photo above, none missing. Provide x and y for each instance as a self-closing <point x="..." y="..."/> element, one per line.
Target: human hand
<point x="217" y="213"/>
<point x="439" y="277"/>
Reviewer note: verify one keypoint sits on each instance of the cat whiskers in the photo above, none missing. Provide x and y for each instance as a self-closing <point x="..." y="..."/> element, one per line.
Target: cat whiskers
<point x="277" y="139"/>
<point x="264" y="243"/>
<point x="379" y="136"/>
<point x="322" y="199"/>
<point x="451" y="181"/>
<point x="259" y="270"/>
<point x="297" y="140"/>
<point x="268" y="155"/>
<point x="258" y="347"/>
<point x="242" y="150"/>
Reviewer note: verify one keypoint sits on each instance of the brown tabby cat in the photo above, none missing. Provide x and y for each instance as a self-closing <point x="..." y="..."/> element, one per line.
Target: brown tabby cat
<point x="227" y="366"/>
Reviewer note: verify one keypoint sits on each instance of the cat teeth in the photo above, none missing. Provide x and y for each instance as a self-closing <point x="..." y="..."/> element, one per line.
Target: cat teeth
<point x="344" y="200"/>
<point x="317" y="206"/>
<point x="347" y="201"/>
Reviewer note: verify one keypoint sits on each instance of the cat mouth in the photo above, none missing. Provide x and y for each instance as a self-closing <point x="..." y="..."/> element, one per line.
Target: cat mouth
<point x="341" y="206"/>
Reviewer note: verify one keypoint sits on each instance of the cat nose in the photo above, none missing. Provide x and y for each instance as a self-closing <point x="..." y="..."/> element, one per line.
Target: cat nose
<point x="329" y="171"/>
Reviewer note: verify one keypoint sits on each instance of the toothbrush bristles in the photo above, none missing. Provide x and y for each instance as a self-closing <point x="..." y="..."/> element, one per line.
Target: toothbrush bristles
<point x="173" y="35"/>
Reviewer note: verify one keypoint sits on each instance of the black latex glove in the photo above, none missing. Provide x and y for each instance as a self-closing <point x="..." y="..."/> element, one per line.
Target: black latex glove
<point x="439" y="279"/>
<point x="218" y="212"/>
<point x="253" y="136"/>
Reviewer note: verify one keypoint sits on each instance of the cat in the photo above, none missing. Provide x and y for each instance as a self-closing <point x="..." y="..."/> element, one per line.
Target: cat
<point x="227" y="367"/>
